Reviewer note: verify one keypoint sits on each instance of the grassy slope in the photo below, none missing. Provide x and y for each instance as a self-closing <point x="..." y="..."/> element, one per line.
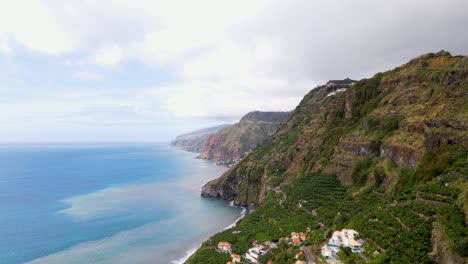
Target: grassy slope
<point x="415" y="112"/>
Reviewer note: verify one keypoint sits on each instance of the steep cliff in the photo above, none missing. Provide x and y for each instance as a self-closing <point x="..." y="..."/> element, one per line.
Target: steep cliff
<point x="234" y="142"/>
<point x="195" y="141"/>
<point x="407" y="116"/>
<point x="386" y="156"/>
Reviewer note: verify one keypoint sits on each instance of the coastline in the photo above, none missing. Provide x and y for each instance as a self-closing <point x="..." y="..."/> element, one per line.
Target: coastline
<point x="245" y="211"/>
<point x="190" y="252"/>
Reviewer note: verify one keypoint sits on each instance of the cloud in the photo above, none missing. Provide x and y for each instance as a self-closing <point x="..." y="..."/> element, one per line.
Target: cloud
<point x="87" y="75"/>
<point x="32" y="25"/>
<point x="108" y="56"/>
<point x="229" y="57"/>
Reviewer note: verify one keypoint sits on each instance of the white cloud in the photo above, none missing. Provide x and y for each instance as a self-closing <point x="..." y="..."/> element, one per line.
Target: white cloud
<point x="88" y="75"/>
<point x="108" y="56"/>
<point x="229" y="57"/>
<point x="5" y="47"/>
<point x="32" y="25"/>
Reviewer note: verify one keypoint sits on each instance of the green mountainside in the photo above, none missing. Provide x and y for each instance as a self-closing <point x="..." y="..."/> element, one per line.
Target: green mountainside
<point x="386" y="156"/>
<point x="195" y="141"/>
<point x="235" y="141"/>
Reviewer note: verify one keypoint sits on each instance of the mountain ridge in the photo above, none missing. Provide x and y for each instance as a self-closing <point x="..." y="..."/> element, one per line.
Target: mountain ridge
<point x="397" y="143"/>
<point x="234" y="142"/>
<point x="195" y="141"/>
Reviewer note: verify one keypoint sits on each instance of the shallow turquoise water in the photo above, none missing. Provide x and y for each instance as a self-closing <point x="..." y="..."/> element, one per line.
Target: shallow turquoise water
<point x="124" y="203"/>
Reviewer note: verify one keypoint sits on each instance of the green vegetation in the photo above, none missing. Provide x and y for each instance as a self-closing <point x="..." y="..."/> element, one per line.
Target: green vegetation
<point x="387" y="157"/>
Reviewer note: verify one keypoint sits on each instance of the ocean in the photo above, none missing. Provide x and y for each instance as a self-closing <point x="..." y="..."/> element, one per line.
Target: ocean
<point x="105" y="203"/>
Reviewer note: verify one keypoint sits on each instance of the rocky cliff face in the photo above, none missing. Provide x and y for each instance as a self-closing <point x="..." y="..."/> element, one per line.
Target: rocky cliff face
<point x="234" y="142"/>
<point x="397" y="119"/>
<point x="195" y="141"/>
<point x="441" y="250"/>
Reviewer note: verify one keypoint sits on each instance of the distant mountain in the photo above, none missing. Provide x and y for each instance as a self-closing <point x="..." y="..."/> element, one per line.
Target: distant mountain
<point x="234" y="142"/>
<point x="195" y="141"/>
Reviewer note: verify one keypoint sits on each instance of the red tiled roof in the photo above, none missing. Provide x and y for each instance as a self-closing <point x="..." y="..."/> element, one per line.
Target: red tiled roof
<point x="296" y="240"/>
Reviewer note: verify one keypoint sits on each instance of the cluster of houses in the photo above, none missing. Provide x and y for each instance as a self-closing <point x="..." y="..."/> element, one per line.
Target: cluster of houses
<point x="296" y="238"/>
<point x="343" y="238"/>
<point x="225" y="247"/>
<point x="253" y="254"/>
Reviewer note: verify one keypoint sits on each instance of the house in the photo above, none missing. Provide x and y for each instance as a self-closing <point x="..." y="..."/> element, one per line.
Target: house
<point x="326" y="251"/>
<point x="344" y="238"/>
<point x="224" y="247"/>
<point x="302" y="236"/>
<point x="252" y="255"/>
<point x="349" y="233"/>
<point x="229" y="262"/>
<point x="336" y="240"/>
<point x="270" y="262"/>
<point x="300" y="262"/>
<point x="299" y="255"/>
<point x="236" y="258"/>
<point x="296" y="241"/>
<point x="349" y="236"/>
<point x="294" y="235"/>
<point x="264" y="248"/>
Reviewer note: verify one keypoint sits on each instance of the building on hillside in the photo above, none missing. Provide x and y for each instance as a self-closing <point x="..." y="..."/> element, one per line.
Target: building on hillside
<point x="302" y="236"/>
<point x="344" y="238"/>
<point x="349" y="236"/>
<point x="264" y="248"/>
<point x="336" y="239"/>
<point x="326" y="251"/>
<point x="224" y="247"/>
<point x="350" y="233"/>
<point x="296" y="241"/>
<point x="236" y="258"/>
<point x="253" y="255"/>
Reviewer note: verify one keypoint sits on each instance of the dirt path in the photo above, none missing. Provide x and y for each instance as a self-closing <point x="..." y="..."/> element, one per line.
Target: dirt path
<point x="277" y="189"/>
<point x="310" y="257"/>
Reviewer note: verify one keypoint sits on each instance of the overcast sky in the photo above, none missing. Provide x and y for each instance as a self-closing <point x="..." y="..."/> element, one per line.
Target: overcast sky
<point x="146" y="70"/>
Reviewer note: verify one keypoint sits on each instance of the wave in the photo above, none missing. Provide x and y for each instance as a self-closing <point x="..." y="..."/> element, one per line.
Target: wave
<point x="187" y="255"/>
<point x="191" y="251"/>
<point x="242" y="215"/>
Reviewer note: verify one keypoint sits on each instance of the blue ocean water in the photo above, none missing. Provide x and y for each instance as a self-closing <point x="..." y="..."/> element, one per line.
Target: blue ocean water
<point x="105" y="203"/>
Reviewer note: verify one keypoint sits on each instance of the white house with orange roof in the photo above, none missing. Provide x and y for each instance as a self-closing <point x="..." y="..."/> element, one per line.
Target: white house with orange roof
<point x="294" y="235"/>
<point x="302" y="236"/>
<point x="236" y="258"/>
<point x="224" y="247"/>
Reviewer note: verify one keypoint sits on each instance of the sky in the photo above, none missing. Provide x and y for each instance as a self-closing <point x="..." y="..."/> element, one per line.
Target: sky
<point x="147" y="70"/>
